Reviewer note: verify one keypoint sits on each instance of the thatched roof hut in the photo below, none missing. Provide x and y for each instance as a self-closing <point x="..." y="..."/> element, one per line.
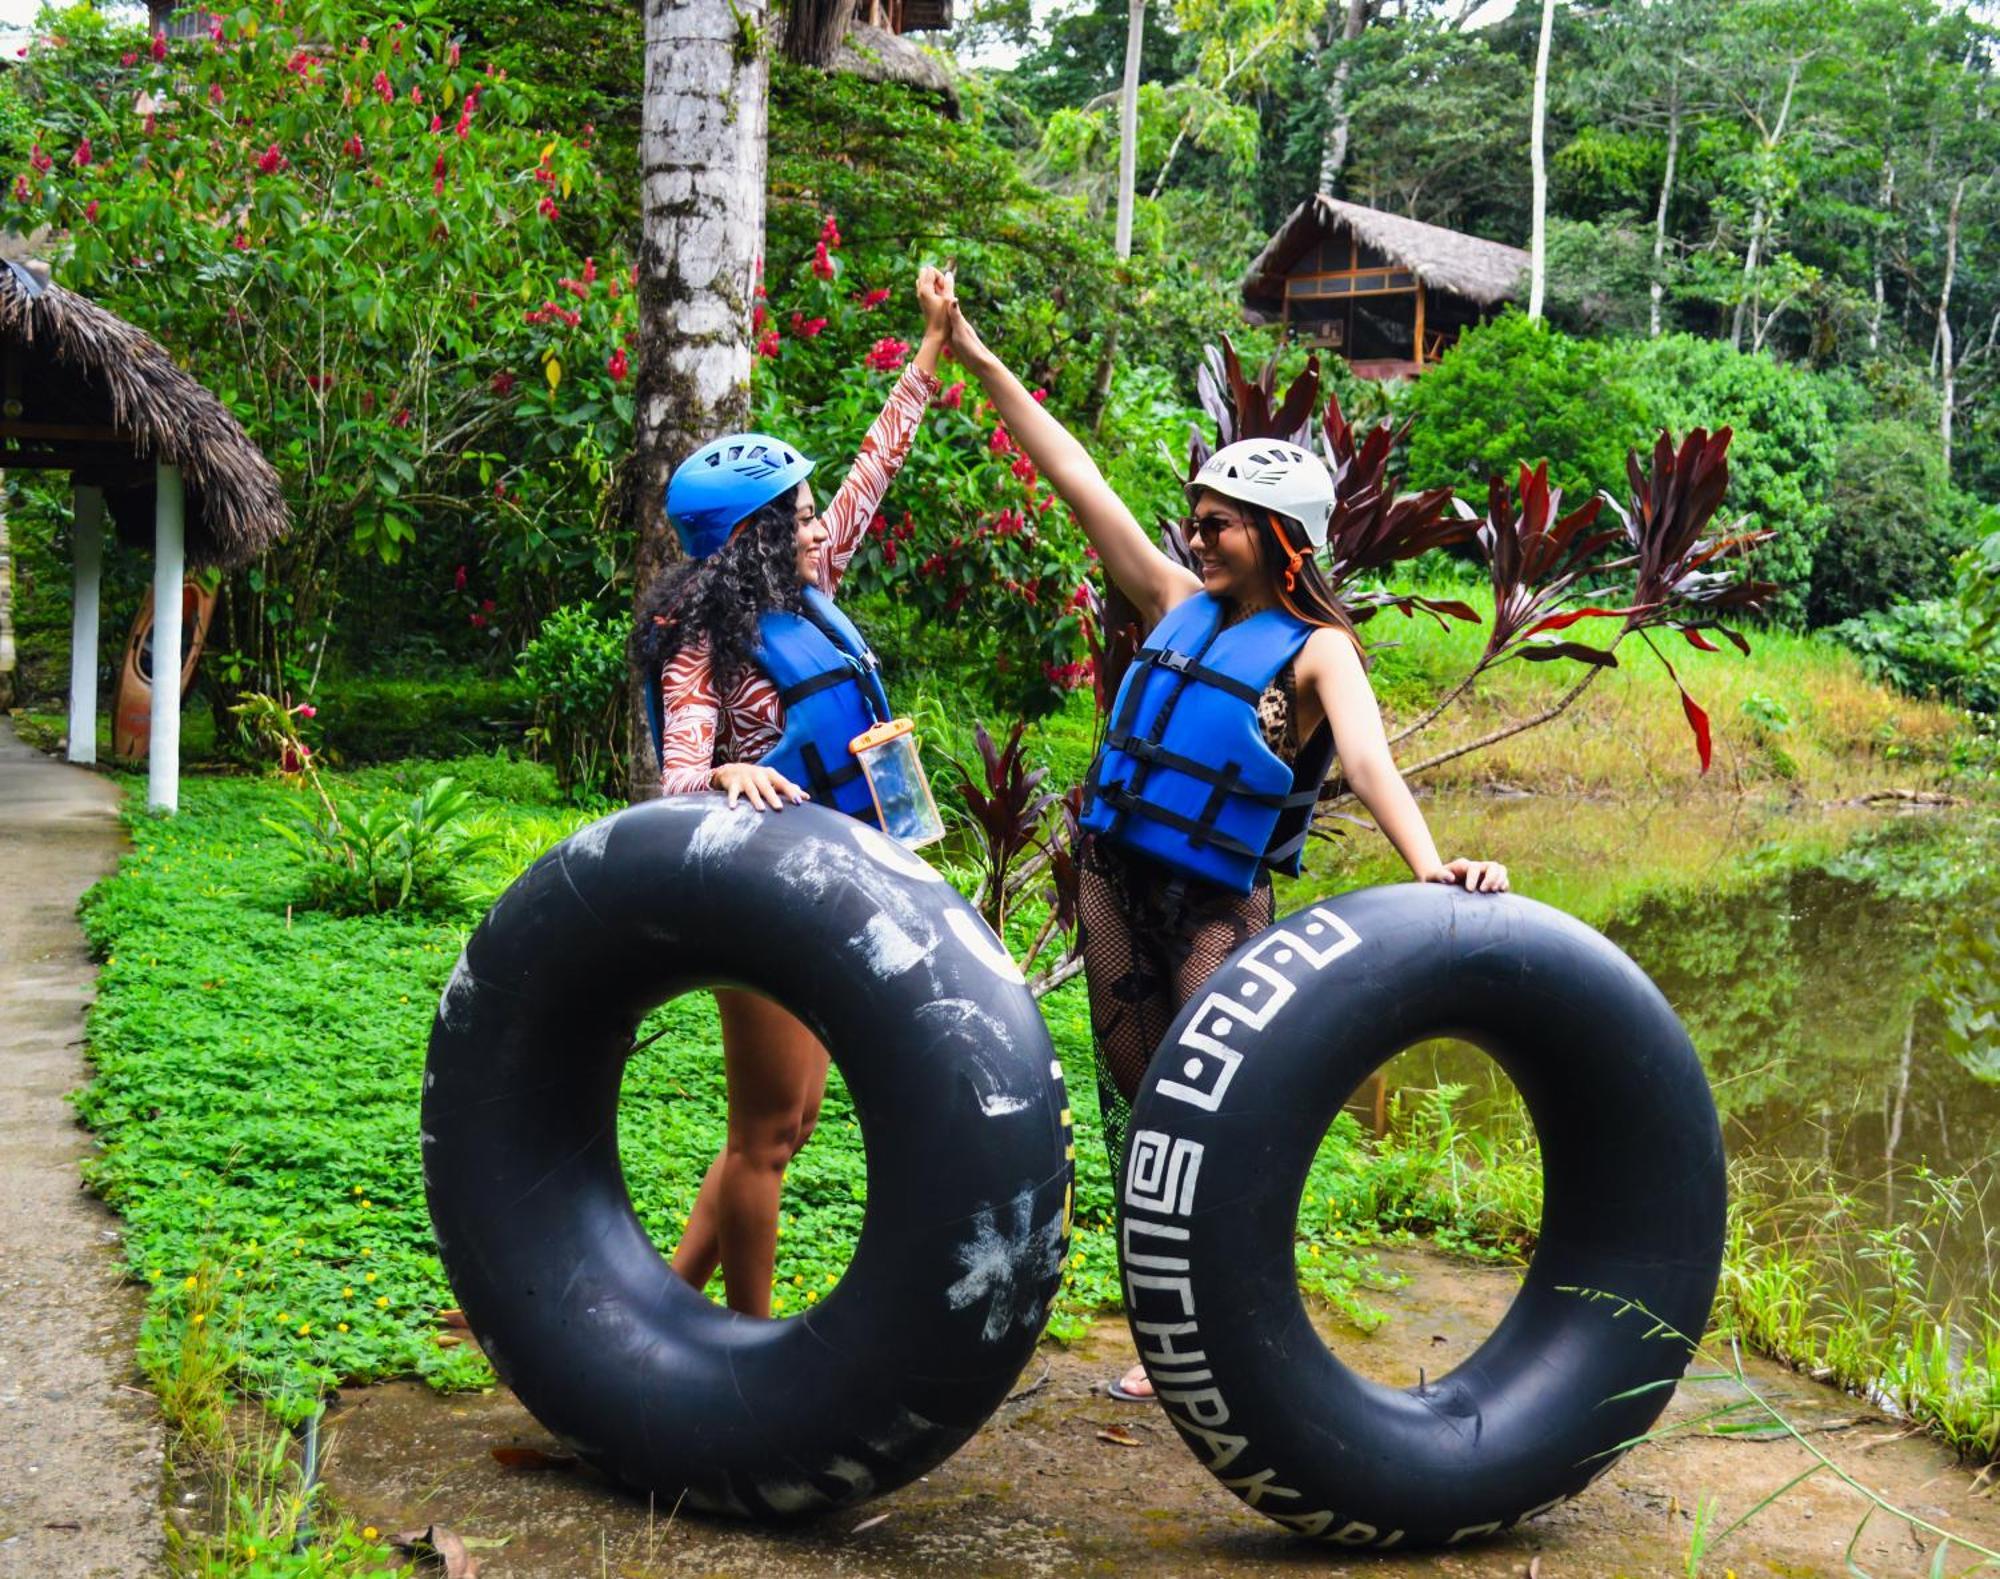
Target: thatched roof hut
<point x="1387" y="292"/>
<point x="83" y="391"/>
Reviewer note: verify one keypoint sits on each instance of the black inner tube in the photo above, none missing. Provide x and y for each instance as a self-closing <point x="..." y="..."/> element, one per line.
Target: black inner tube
<point x="958" y="1094"/>
<point x="1225" y="1128"/>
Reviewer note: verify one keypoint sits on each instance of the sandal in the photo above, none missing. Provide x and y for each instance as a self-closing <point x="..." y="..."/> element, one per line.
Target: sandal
<point x="1117" y="1389"/>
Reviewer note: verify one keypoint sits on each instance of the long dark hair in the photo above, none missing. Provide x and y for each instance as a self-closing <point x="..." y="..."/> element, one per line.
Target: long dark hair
<point x="720" y="598"/>
<point x="1297" y="581"/>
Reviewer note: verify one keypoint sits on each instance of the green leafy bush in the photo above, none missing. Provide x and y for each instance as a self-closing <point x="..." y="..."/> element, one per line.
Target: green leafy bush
<point x="1781" y="464"/>
<point x="364" y="859"/>
<point x="1925" y="649"/>
<point x="575" y="668"/>
<point x="1513" y="391"/>
<point x="1893" y="523"/>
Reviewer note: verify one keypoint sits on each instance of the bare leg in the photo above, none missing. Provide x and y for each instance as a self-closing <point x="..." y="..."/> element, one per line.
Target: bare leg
<point x="776" y="1073"/>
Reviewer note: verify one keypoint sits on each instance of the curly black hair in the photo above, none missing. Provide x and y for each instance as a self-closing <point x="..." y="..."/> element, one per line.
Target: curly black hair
<point x="720" y="598"/>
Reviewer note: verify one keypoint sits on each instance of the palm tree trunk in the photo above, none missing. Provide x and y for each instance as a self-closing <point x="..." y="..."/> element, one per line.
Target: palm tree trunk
<point x="701" y="153"/>
<point x="1659" y="286"/>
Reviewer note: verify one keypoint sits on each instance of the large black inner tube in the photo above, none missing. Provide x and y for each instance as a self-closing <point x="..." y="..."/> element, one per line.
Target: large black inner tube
<point x="961" y="1105"/>
<point x="1225" y="1128"/>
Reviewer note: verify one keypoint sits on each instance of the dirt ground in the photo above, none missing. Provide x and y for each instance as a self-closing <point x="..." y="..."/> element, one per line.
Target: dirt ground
<point x="79" y="1451"/>
<point x="1038" y="1492"/>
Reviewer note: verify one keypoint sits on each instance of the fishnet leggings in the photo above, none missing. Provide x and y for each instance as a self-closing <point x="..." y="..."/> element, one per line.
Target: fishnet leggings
<point x="1149" y="940"/>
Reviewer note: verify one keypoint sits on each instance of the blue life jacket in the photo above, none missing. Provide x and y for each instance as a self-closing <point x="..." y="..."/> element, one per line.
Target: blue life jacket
<point x="828" y="685"/>
<point x="1185" y="776"/>
<point x="827" y="682"/>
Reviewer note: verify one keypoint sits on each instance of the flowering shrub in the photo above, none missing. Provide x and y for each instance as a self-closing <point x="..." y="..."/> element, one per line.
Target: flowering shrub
<point x="360" y="241"/>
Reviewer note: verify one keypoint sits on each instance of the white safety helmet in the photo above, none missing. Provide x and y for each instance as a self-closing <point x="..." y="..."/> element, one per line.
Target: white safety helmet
<point x="1272" y="473"/>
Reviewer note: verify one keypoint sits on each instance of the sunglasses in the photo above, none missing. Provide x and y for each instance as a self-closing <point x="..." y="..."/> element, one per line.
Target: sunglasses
<point x="1210" y="526"/>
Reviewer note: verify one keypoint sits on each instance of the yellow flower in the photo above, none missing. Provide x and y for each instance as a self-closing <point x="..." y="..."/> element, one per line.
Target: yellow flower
<point x="367" y="1277"/>
<point x="191" y="1282"/>
<point x="357" y="1189"/>
<point x="347" y="1293"/>
<point x="370" y="1533"/>
<point x="368" y="1250"/>
<point x="382" y="1302"/>
<point x="305" y="1328"/>
<point x="341" y="1325"/>
<point x="366" y="1204"/>
<point x="284" y="1319"/>
<point x="197" y="1318"/>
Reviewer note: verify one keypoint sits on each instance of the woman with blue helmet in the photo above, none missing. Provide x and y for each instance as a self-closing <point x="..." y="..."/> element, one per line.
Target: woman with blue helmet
<point x="762" y="684"/>
<point x="1249" y="685"/>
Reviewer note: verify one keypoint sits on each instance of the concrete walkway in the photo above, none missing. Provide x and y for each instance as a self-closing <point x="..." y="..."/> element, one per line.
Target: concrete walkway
<point x="79" y="1457"/>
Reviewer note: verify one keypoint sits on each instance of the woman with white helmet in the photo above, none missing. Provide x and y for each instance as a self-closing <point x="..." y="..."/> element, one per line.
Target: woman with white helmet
<point x="1250" y="683"/>
<point x="763" y="682"/>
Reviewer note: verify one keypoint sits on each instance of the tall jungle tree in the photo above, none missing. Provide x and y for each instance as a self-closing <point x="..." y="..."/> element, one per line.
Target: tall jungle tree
<point x="702" y="161"/>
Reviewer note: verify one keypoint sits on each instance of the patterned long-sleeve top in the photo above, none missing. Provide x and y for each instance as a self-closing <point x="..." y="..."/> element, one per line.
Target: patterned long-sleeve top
<point x="701" y="730"/>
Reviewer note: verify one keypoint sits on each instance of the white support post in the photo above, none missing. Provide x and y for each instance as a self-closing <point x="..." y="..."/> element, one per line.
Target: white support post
<point x="163" y="752"/>
<point x="87" y="512"/>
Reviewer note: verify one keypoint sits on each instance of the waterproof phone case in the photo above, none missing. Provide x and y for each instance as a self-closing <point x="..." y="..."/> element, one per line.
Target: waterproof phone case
<point x="888" y="757"/>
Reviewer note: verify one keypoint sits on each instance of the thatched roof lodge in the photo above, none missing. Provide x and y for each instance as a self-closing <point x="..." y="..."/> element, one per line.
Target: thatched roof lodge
<point x="1387" y="293"/>
<point x="85" y="392"/>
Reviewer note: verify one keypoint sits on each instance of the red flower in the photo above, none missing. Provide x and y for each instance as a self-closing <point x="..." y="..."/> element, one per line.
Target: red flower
<point x="319" y="382"/>
<point x="129" y="59"/>
<point x="1080" y="599"/>
<point x="1025" y="470"/>
<point x="388" y="94"/>
<point x="215" y="28"/>
<point x="759" y="313"/>
<point x="954" y="397"/>
<point x="503" y="384"/>
<point x="1040" y="397"/>
<point x="933" y="566"/>
<point x="1001" y="443"/>
<point x="887" y="355"/>
<point x="270" y="161"/>
<point x="485" y="605"/>
<point x="90" y="212"/>
<point x="870" y="300"/>
<point x="618" y="366"/>
<point x="416" y="93"/>
<point x="768" y="346"/>
<point x="451" y="55"/>
<point x="478" y="621"/>
<point x="590" y="272"/>
<point x="81" y="158"/>
<point x="458" y="578"/>
<point x="39" y="161"/>
<point x="401" y="419"/>
<point x="159" y="46"/>
<point x="907" y="528"/>
<point x="889" y="554"/>
<point x="215" y="93"/>
<point x="829" y="233"/>
<point x="23" y="193"/>
<point x="242" y="241"/>
<point x="437" y="124"/>
<point x="306" y="710"/>
<point x="147" y="125"/>
<point x="466" y="112"/>
<point x="354" y="148"/>
<point x="548" y="208"/>
<point x="822" y="265"/>
<point x="878" y="526"/>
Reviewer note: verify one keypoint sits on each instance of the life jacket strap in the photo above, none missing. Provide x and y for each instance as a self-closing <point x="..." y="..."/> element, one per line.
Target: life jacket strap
<point x="1188" y="666"/>
<point x="823" y="782"/>
<point x="813" y="686"/>
<point x="1121" y="799"/>
<point x="1143" y="750"/>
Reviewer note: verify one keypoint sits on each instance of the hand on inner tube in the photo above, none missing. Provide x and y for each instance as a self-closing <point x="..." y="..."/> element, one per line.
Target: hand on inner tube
<point x="1475" y="877"/>
<point x="765" y="788"/>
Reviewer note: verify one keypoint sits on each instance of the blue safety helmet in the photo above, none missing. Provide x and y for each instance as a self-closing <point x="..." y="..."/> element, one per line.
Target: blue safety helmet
<point x="725" y="481"/>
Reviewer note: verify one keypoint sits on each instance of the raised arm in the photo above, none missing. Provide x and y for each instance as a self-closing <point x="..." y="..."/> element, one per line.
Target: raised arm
<point x="888" y="439"/>
<point x="1152" y="581"/>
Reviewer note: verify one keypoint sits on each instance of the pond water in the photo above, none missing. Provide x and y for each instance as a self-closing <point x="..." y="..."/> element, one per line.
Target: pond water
<point x="1810" y="956"/>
